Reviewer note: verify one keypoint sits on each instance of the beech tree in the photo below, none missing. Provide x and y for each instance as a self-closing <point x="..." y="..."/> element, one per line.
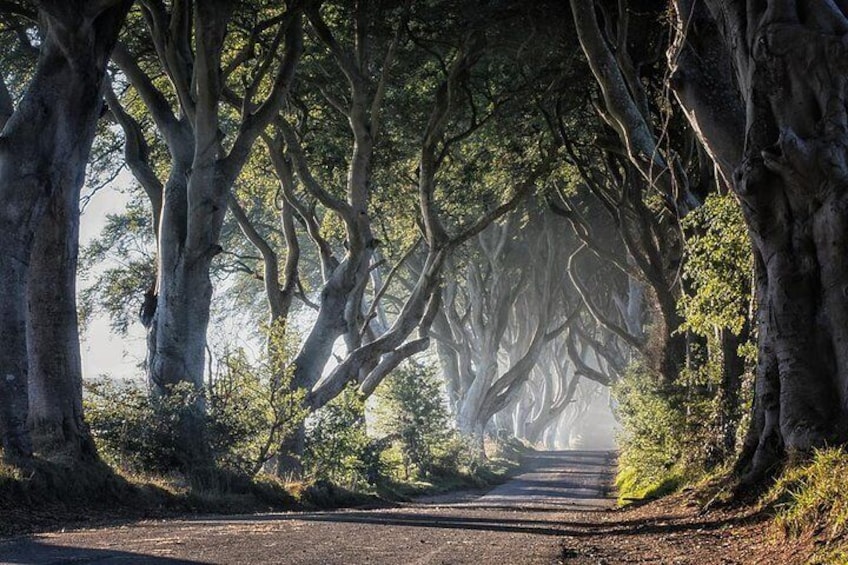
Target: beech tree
<point x="437" y="121"/>
<point x="642" y="155"/>
<point x="450" y="116"/>
<point x="500" y="316"/>
<point x="189" y="208"/>
<point x="763" y="87"/>
<point x="546" y="395"/>
<point x="45" y="147"/>
<point x="557" y="392"/>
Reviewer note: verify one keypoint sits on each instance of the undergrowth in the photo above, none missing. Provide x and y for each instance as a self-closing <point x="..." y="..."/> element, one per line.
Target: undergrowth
<point x="39" y="494"/>
<point x="505" y="458"/>
<point x="809" y="500"/>
<point x="663" y="437"/>
<point x="42" y="494"/>
<point x="414" y="451"/>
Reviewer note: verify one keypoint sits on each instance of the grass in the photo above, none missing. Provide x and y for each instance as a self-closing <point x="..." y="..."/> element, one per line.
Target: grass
<point x="491" y="472"/>
<point x="504" y="459"/>
<point x="809" y="499"/>
<point x="632" y="487"/>
<point x="494" y="472"/>
<point x="44" y="494"/>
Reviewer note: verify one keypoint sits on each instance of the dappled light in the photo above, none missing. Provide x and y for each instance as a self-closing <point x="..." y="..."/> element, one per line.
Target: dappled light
<point x="396" y="281"/>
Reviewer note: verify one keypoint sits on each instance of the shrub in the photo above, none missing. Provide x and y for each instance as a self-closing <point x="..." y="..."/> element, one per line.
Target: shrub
<point x="414" y="436"/>
<point x="132" y="429"/>
<point x="250" y="410"/>
<point x="338" y="448"/>
<point x="410" y="410"/>
<point x="663" y="433"/>
<point x="675" y="433"/>
<point x="716" y="306"/>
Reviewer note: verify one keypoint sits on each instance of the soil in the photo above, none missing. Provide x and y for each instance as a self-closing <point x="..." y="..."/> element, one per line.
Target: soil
<point x="557" y="510"/>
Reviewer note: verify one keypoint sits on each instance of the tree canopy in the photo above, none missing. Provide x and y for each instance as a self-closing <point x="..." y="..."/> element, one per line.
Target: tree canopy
<point x="525" y="206"/>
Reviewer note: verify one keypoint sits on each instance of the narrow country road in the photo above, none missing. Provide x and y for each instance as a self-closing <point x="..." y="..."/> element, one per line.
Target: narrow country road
<point x="521" y="521"/>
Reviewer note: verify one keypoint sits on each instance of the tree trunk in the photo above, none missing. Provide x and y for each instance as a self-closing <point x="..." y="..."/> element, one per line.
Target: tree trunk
<point x="44" y="149"/>
<point x="786" y="61"/>
<point x="55" y="373"/>
<point x="469" y="414"/>
<point x="669" y="343"/>
<point x="732" y="371"/>
<point x="332" y="322"/>
<point x="177" y="334"/>
<point x="180" y="323"/>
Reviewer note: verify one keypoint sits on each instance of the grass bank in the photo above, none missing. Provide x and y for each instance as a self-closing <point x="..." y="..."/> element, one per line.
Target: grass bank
<point x="43" y="494"/>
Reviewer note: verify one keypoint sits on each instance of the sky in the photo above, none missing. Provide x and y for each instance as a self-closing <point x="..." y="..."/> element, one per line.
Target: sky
<point x="102" y="351"/>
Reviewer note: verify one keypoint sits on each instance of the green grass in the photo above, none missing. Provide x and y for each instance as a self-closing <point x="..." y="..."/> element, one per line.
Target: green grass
<point x="504" y="459"/>
<point x="811" y="498"/>
<point x="493" y="472"/>
<point x="632" y="486"/>
<point x="44" y="494"/>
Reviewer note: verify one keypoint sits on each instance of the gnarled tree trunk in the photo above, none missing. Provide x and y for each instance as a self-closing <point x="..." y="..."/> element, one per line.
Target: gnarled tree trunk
<point x="55" y="372"/>
<point x="44" y="149"/>
<point x="189" y="40"/>
<point x="783" y="144"/>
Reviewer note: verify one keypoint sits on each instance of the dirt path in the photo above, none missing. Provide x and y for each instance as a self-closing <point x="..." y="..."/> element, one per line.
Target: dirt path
<point x="555" y="511"/>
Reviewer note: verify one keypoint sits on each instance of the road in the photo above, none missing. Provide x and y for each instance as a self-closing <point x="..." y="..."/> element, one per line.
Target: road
<point x="521" y="521"/>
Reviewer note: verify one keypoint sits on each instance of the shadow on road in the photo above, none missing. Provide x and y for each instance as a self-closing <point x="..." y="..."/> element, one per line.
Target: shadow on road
<point x="526" y="525"/>
<point x="506" y="520"/>
<point x="34" y="551"/>
<point x="422" y="520"/>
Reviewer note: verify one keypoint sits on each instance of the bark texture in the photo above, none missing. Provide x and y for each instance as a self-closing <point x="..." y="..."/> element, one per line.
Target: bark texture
<point x="55" y="372"/>
<point x="44" y="149"/>
<point x="189" y="209"/>
<point x="782" y="139"/>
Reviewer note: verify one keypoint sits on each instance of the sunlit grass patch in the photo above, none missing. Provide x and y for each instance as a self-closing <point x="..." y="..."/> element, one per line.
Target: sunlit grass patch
<point x="631" y="485"/>
<point x="811" y="498"/>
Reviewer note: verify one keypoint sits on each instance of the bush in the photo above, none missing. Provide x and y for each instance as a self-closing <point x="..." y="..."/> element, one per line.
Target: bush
<point x="414" y="437"/>
<point x="250" y="410"/>
<point x="410" y="410"/>
<point x="676" y="433"/>
<point x="133" y="430"/>
<point x="338" y="448"/>
<point x="664" y="431"/>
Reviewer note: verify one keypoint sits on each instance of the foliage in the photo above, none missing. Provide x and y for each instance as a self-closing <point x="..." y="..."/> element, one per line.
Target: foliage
<point x="717" y="268"/>
<point x="414" y="438"/>
<point x="672" y="433"/>
<point x="125" y="247"/>
<point x="250" y="411"/>
<point x="338" y="448"/>
<point x="810" y="497"/>
<point x="665" y="429"/>
<point x="132" y="431"/>
<point x="410" y="408"/>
